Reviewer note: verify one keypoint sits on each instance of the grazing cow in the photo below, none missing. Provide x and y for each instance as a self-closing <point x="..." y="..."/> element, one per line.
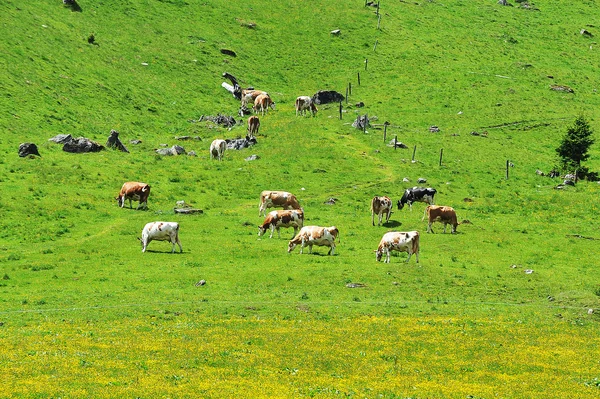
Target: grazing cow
<point x="217" y="149"/>
<point x="379" y="207"/>
<point x="416" y="194"/>
<point x="136" y="191"/>
<point x="277" y="199"/>
<point x="253" y="125"/>
<point x="442" y="214"/>
<point x="304" y="103"/>
<point x="161" y="231"/>
<point x="286" y="218"/>
<point x="262" y="104"/>
<point x="249" y="95"/>
<point x="315" y="235"/>
<point x="398" y="241"/>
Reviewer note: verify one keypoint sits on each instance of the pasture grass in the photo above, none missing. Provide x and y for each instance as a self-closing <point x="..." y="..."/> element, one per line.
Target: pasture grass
<point x="83" y="313"/>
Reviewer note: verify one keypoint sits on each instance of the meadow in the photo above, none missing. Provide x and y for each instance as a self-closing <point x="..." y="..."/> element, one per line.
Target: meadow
<point x="507" y="308"/>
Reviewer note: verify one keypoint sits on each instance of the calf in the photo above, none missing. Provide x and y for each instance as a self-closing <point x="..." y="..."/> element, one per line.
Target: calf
<point x="398" y="241"/>
<point x="262" y="103"/>
<point x="253" y="125"/>
<point x="277" y="219"/>
<point x="416" y="194"/>
<point x="278" y="199"/>
<point x="161" y="231"/>
<point x="217" y="149"/>
<point x="304" y="103"/>
<point x="315" y="235"/>
<point x="136" y="191"/>
<point x="442" y="214"/>
<point x="379" y="207"/>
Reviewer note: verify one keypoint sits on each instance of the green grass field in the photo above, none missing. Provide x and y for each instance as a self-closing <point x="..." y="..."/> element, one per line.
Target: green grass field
<point x="83" y="313"/>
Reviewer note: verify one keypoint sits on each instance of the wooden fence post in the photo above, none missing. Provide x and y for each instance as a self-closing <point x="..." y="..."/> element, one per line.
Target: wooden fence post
<point x="366" y="63"/>
<point x="375" y="46"/>
<point x="441" y="155"/>
<point x="365" y="125"/>
<point x="385" y="132"/>
<point x="378" y="21"/>
<point x="350" y="88"/>
<point x="346" y="95"/>
<point x="359" y="78"/>
<point x="395" y="142"/>
<point x="414" y="152"/>
<point x="340" y="110"/>
<point x="507" y="163"/>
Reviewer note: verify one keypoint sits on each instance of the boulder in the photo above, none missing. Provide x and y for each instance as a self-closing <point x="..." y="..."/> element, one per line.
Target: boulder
<point x="27" y="149"/>
<point x="61" y="138"/>
<point x="81" y="145"/>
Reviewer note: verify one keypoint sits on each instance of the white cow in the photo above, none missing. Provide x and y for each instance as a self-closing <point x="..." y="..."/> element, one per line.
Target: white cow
<point x="217" y="149"/>
<point x="315" y="235"/>
<point x="398" y="241"/>
<point x="161" y="231"/>
<point x="304" y="103"/>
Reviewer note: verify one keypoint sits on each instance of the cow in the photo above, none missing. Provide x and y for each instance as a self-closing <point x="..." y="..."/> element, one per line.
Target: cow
<point x="262" y="103"/>
<point x="277" y="199"/>
<point x="249" y="95"/>
<point x="161" y="231"/>
<point x="133" y="190"/>
<point x="304" y="103"/>
<point x="217" y="149"/>
<point x="286" y="218"/>
<point x="442" y="214"/>
<point x="253" y="125"/>
<point x="315" y="235"/>
<point x="398" y="241"/>
<point x="380" y="206"/>
<point x="416" y="194"/>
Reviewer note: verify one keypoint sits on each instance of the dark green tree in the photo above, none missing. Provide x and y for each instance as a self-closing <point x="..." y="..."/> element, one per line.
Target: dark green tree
<point x="574" y="146"/>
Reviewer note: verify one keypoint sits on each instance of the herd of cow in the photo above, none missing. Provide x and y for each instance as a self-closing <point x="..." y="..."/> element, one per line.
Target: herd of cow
<point x="292" y="216"/>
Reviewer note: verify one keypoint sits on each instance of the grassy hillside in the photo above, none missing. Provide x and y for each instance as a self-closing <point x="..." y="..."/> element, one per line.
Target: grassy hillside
<point x="83" y="313"/>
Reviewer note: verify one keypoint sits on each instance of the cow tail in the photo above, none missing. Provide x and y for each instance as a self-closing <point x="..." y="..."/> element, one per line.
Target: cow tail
<point x="415" y="244"/>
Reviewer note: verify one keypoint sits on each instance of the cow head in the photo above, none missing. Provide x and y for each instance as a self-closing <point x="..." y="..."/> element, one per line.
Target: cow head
<point x="261" y="230"/>
<point x="291" y="246"/>
<point x="378" y="254"/>
<point x="400" y="204"/>
<point x="119" y="200"/>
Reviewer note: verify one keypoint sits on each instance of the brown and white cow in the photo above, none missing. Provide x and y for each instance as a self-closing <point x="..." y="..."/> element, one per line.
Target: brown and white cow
<point x="398" y="241"/>
<point x="442" y="214"/>
<point x="136" y="191"/>
<point x="380" y="206"/>
<point x="217" y="149"/>
<point x="161" y="231"/>
<point x="249" y="95"/>
<point x="304" y="103"/>
<point x="262" y="103"/>
<point x="315" y="235"/>
<point x="253" y="125"/>
<point x="286" y="218"/>
<point x="277" y="199"/>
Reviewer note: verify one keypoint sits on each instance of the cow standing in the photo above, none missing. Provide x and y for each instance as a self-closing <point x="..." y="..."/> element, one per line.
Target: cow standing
<point x="253" y="125"/>
<point x="380" y="206"/>
<point x="286" y="218"/>
<point x="442" y="214"/>
<point x="135" y="191"/>
<point x="304" y="103"/>
<point x="279" y="199"/>
<point x="262" y="103"/>
<point x="315" y="235"/>
<point x="416" y="194"/>
<point x="249" y="96"/>
<point x="398" y="241"/>
<point x="161" y="231"/>
<point x="217" y="149"/>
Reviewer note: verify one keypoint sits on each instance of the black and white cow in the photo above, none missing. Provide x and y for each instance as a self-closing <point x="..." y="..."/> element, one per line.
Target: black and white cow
<point x="416" y="194"/>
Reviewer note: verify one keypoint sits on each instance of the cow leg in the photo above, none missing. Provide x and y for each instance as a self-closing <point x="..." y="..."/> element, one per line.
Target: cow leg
<point x="278" y="232"/>
<point x="373" y="218"/>
<point x="295" y="232"/>
<point x="445" y="224"/>
<point x="409" y="255"/>
<point x="429" y="229"/>
<point x="387" y="255"/>
<point x="272" y="231"/>
<point x="332" y="249"/>
<point x="130" y="206"/>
